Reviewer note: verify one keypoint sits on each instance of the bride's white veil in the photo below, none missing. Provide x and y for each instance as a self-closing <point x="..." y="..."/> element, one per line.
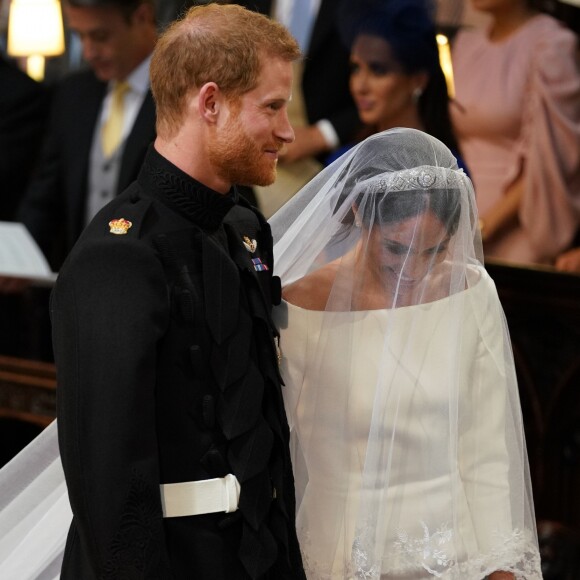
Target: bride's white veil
<point x="406" y="428"/>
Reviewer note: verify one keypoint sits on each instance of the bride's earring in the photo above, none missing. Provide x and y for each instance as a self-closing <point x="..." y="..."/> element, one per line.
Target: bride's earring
<point x="416" y="94"/>
<point x="357" y="220"/>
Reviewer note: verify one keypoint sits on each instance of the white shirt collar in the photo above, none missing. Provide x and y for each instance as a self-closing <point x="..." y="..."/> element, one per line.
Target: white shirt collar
<point x="138" y="79"/>
<point x="283" y="10"/>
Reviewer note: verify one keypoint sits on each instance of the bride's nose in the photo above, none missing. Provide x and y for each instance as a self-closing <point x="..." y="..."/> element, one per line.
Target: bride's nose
<point x="415" y="267"/>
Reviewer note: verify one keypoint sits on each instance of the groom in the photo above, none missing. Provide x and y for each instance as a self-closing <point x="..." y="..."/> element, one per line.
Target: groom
<point x="172" y="430"/>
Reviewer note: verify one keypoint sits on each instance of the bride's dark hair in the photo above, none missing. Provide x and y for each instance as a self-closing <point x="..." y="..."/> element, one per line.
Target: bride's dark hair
<point x="366" y="177"/>
<point x="397" y="206"/>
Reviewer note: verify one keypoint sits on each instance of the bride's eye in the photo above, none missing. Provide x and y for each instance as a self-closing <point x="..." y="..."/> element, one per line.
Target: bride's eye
<point x="395" y="248"/>
<point x="440" y="249"/>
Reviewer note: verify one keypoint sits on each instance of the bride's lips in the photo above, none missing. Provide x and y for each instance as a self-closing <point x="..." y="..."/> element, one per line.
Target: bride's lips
<point x="408" y="281"/>
<point x="402" y="280"/>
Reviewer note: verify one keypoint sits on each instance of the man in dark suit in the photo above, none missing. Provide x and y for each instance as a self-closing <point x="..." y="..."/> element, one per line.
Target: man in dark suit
<point x="72" y="177"/>
<point x="23" y="115"/>
<point x="172" y="431"/>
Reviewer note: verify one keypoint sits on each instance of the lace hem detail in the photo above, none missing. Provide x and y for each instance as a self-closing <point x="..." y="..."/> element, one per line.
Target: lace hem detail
<point x="518" y="554"/>
<point x="428" y="558"/>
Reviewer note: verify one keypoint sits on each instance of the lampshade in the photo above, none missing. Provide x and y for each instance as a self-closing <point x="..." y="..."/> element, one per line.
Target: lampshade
<point x="445" y="62"/>
<point x="35" y="30"/>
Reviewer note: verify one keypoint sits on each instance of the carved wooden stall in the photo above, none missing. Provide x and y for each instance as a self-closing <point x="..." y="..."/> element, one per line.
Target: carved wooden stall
<point x="543" y="313"/>
<point x="27" y="402"/>
<point x="27" y="390"/>
<point x="542" y="308"/>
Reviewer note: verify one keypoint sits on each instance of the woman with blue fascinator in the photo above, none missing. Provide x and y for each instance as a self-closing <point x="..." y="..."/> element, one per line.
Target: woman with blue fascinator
<point x="396" y="79"/>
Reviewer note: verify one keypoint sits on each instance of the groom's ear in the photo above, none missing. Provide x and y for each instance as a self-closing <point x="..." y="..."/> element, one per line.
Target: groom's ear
<point x="209" y="100"/>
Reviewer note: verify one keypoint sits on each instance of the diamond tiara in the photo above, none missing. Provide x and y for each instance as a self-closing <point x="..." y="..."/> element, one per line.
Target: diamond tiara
<point x="425" y="177"/>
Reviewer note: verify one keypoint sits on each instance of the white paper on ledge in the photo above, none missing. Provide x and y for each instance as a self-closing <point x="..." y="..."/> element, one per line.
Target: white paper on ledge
<point x="20" y="256"/>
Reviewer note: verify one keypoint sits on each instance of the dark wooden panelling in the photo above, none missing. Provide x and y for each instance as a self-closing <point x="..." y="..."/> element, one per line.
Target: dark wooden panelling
<point x="542" y="308"/>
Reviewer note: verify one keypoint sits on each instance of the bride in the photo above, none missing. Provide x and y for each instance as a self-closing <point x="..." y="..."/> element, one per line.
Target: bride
<point x="406" y="427"/>
<point x="407" y="435"/>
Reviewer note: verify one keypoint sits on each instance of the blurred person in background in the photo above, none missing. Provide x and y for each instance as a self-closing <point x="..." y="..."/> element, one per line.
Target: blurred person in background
<point x="569" y="261"/>
<point x="395" y="78"/>
<point x="77" y="173"/>
<point x="23" y="115"/>
<point x="101" y="122"/>
<point x="517" y="117"/>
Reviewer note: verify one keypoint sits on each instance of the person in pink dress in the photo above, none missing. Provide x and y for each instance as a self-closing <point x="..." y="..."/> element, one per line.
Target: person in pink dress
<point x="517" y="117"/>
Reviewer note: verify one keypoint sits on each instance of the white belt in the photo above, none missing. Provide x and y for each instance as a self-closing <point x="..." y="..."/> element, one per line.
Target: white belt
<point x="206" y="496"/>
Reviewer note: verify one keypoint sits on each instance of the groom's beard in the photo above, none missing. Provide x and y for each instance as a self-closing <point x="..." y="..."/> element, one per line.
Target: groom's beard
<point x="239" y="159"/>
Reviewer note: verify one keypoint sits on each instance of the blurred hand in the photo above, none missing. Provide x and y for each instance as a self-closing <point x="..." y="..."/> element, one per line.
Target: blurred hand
<point x="9" y="285"/>
<point x="501" y="576"/>
<point x="308" y="142"/>
<point x="569" y="261"/>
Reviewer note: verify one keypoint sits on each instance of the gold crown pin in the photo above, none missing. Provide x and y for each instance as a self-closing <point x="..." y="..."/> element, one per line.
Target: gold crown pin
<point x="119" y="226"/>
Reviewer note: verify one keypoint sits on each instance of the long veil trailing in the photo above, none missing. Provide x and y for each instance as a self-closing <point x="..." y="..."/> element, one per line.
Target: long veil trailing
<point x="34" y="511"/>
<point x="406" y="428"/>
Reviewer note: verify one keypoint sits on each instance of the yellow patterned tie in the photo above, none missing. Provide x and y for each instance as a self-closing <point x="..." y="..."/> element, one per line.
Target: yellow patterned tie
<point x="112" y="129"/>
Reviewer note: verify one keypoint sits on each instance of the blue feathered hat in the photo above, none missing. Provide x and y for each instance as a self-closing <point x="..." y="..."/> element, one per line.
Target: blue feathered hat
<point x="407" y="25"/>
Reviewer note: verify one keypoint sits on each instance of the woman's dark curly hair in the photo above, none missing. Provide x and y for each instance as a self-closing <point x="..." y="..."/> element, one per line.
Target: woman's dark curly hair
<point x="409" y="28"/>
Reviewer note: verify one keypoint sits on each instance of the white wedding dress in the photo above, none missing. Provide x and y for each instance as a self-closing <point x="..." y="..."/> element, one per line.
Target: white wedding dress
<point x="443" y="512"/>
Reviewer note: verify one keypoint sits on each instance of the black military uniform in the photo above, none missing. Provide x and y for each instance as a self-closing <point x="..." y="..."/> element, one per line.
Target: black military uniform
<point x="167" y="372"/>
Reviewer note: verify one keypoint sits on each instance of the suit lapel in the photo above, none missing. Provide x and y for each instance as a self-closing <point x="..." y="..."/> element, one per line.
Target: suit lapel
<point x="89" y="102"/>
<point x="325" y="22"/>
<point x="89" y="109"/>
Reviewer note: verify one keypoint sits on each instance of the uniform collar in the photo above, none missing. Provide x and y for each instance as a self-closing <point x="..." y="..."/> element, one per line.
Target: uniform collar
<point x="192" y="199"/>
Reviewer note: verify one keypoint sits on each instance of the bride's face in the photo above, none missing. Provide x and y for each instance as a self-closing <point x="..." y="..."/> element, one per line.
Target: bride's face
<point x="403" y="253"/>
